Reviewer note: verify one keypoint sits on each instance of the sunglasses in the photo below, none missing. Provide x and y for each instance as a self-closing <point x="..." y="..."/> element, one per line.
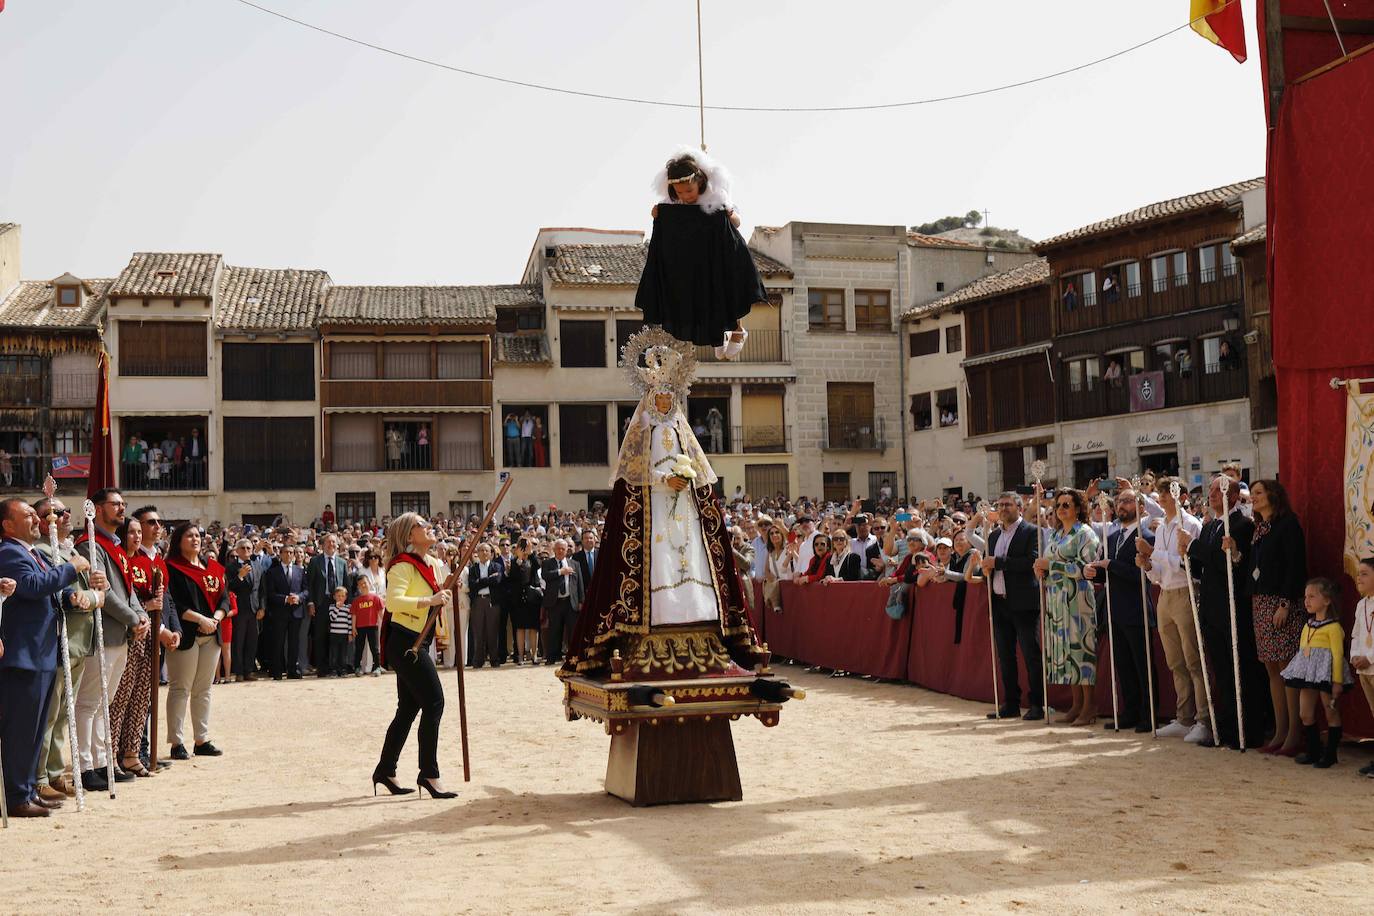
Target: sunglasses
<point x="1067" y="505"/>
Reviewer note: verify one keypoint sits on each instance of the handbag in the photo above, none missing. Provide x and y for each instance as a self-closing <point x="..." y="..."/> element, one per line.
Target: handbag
<point x="772" y="595"/>
<point x="896" y="600"/>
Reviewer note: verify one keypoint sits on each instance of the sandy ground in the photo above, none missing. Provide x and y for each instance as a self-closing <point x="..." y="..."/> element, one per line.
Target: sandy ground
<point x="868" y="798"/>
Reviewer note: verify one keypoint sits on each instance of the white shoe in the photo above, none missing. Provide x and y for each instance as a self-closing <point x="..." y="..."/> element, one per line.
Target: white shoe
<point x="1199" y="734"/>
<point x="724" y="348"/>
<point x="732" y="348"/>
<point x="1174" y="729"/>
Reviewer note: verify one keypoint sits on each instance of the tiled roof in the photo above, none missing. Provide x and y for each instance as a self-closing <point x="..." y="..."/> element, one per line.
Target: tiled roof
<point x="1255" y="235"/>
<point x="1022" y="276"/>
<point x="422" y="304"/>
<point x="522" y="349"/>
<point x="31" y="305"/>
<point x="262" y="299"/>
<point x="168" y="273"/>
<point x="1161" y="210"/>
<point x="621" y="265"/>
<point x="921" y="240"/>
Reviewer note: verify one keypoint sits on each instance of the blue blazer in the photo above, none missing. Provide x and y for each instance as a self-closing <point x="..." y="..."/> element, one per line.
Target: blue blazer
<point x="29" y="628"/>
<point x="1123" y="578"/>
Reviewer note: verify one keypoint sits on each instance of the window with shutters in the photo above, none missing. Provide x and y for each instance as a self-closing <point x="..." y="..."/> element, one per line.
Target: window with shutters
<point x="582" y="434"/>
<point x="920" y="411"/>
<point x="582" y="344"/>
<point x="162" y="348"/>
<point x="268" y="372"/>
<point x="924" y="343"/>
<point x="835" y="486"/>
<point x="947" y="403"/>
<point x="872" y="310"/>
<point x="405" y="360"/>
<point x="352" y="360"/>
<point x="355" y="507"/>
<point x="460" y="442"/>
<point x="850" y="420"/>
<point x="825" y="309"/>
<point x="954" y="338"/>
<point x="460" y="360"/>
<point x="766" y="481"/>
<point x="403" y="501"/>
<point x="269" y="453"/>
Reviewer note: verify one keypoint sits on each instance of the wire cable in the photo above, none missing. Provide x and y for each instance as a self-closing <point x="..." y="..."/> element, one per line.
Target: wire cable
<point x="661" y="103"/>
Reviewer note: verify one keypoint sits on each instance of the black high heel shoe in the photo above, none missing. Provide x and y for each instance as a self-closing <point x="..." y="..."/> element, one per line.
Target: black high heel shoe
<point x="425" y="784"/>
<point x="390" y="782"/>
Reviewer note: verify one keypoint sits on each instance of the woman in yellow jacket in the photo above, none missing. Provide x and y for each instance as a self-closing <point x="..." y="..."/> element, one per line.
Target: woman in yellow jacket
<point x="413" y="587"/>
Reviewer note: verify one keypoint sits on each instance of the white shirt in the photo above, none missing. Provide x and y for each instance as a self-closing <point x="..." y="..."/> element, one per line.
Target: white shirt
<point x="805" y="553"/>
<point x="1362" y="631"/>
<point x="1166" y="563"/>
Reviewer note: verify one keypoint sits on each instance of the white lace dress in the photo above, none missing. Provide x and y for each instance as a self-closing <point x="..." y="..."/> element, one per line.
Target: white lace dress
<point x="679" y="572"/>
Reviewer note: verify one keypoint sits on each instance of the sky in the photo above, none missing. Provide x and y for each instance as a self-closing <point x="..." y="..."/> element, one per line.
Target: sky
<point x="148" y="125"/>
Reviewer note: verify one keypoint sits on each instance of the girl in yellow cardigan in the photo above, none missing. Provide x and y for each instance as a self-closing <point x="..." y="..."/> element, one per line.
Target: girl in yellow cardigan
<point x="1319" y="668"/>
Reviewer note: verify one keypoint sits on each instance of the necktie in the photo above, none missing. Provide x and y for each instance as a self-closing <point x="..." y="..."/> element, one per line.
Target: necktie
<point x="329" y="575"/>
<point x="591" y="562"/>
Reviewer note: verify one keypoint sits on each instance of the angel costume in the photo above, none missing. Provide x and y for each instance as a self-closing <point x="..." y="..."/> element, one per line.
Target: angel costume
<point x="699" y="276"/>
<point x="665" y="594"/>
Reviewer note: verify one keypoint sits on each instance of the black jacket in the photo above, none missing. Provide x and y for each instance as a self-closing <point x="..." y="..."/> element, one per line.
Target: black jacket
<point x="496" y="572"/>
<point x="1209" y="563"/>
<point x="851" y="568"/>
<point x="1281" y="558"/>
<point x="1018" y="566"/>
<point x="1124" y="578"/>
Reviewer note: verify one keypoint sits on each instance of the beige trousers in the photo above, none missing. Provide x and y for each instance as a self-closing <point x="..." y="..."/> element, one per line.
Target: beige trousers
<point x="90" y="711"/>
<point x="1178" y="633"/>
<point x="1367" y="684"/>
<point x="190" y="672"/>
<point x="51" y="752"/>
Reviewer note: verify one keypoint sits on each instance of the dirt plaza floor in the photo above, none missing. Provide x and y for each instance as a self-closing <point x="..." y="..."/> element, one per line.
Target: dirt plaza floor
<point x="868" y="798"/>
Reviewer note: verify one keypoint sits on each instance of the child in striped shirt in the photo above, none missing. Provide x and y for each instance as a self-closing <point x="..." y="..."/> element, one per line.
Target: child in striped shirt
<point x="340" y="629"/>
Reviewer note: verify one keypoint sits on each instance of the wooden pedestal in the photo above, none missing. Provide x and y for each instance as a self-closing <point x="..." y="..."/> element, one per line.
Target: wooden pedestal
<point x="674" y="762"/>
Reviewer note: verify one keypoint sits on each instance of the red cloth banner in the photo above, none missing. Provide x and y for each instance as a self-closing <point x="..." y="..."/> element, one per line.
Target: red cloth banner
<point x="841" y="625"/>
<point x="102" y="472"/>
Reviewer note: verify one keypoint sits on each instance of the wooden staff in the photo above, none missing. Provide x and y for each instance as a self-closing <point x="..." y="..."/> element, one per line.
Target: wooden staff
<point x="1145" y="609"/>
<point x="1174" y="491"/>
<point x="155" y="663"/>
<point x="1104" y="502"/>
<point x="4" y="805"/>
<point x="1038" y="472"/>
<point x="50" y="490"/>
<point x="88" y="508"/>
<point x="992" y="637"/>
<point x="1225" y="483"/>
<point x="433" y="617"/>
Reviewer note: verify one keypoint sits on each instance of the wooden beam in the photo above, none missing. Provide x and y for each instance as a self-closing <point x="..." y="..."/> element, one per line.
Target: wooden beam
<point x="1320" y="24"/>
<point x="1273" y="41"/>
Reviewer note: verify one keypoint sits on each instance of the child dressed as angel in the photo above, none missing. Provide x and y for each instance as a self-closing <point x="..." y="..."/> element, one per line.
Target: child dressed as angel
<point x="699" y="277"/>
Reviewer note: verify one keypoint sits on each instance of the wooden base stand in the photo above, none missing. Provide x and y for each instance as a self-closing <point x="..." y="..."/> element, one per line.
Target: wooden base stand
<point x="674" y="762"/>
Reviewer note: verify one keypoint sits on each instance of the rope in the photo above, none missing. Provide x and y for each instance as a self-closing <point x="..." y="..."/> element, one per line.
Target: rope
<point x="701" y="82"/>
<point x="606" y="97"/>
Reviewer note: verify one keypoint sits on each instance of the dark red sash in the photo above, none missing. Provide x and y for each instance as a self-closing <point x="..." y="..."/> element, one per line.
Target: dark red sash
<point x="420" y="565"/>
<point x="114" y="550"/>
<point x="147" y="574"/>
<point x="210" y="580"/>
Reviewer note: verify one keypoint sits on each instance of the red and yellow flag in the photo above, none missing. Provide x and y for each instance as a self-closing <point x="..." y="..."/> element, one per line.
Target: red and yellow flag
<point x="1219" y="22"/>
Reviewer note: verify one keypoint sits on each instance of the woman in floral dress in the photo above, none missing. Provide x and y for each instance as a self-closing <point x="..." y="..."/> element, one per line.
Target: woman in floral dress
<point x="1070" y="612"/>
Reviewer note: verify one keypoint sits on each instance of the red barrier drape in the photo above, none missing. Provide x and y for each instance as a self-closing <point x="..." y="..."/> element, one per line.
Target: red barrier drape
<point x="841" y="625"/>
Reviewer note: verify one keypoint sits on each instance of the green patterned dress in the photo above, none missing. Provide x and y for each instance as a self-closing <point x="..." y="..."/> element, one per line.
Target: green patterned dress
<point x="1070" y="614"/>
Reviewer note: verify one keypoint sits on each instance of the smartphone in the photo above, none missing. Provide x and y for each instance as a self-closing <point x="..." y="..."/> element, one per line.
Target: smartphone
<point x="1030" y="491"/>
<point x="1108" y="486"/>
<point x="906" y="517"/>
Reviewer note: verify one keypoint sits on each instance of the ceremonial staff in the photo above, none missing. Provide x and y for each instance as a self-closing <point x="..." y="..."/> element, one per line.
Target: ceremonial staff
<point x="89" y="508"/>
<point x="50" y="490"/>
<point x="4" y="805"/>
<point x="1038" y="472"/>
<point x="1145" y="607"/>
<point x="1225" y="483"/>
<point x="992" y="637"/>
<point x="1104" y="502"/>
<point x="155" y="663"/>
<point x="1174" y="491"/>
<point x="433" y="617"/>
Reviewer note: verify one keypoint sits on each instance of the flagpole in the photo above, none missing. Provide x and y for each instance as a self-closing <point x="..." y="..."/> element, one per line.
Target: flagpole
<point x="89" y="508"/>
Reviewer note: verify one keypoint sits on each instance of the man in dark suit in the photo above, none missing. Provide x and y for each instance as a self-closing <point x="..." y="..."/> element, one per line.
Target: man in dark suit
<point x="1133" y="619"/>
<point x="238" y="573"/>
<point x="563" y="591"/>
<point x="284" y="586"/>
<point x="28" y="650"/>
<point x="586" y="557"/>
<point x="1208" y="559"/>
<point x="1009" y="565"/>
<point x="485" y="574"/>
<point x="327" y="571"/>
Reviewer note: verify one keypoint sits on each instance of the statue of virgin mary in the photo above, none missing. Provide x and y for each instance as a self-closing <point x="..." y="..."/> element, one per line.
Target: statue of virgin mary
<point x="665" y="595"/>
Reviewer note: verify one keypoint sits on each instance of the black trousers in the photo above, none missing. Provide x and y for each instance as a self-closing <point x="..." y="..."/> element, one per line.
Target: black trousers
<point x="24" y="699"/>
<point x="338" y="654"/>
<point x="1132" y="677"/>
<point x="1011" y="629"/>
<point x="418" y="692"/>
<point x="367" y="636"/>
<point x="319" y="639"/>
<point x="562" y="619"/>
<point x="1254" y="680"/>
<point x="244" y="648"/>
<point x="285" y="642"/>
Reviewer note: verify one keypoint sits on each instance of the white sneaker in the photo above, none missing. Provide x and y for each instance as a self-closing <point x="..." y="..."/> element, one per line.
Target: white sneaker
<point x="732" y="348"/>
<point x="1199" y="734"/>
<point x="1174" y="729"/>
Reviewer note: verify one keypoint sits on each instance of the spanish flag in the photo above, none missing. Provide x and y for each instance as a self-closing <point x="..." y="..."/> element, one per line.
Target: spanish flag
<point x="1219" y="22"/>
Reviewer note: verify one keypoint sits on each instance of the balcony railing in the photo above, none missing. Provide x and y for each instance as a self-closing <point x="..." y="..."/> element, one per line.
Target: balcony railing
<point x="375" y="457"/>
<point x="74" y="389"/>
<point x="747" y="440"/>
<point x="1217" y="382"/>
<point x="148" y="368"/>
<point x="191" y="474"/>
<point x="407" y="393"/>
<point x="854" y="435"/>
<point x="21" y="390"/>
<point x="761" y="347"/>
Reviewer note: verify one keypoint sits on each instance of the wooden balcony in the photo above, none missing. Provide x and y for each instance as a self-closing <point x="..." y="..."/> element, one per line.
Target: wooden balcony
<point x="1217" y="383"/>
<point x="405" y="393"/>
<point x="21" y="390"/>
<point x="1151" y="299"/>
